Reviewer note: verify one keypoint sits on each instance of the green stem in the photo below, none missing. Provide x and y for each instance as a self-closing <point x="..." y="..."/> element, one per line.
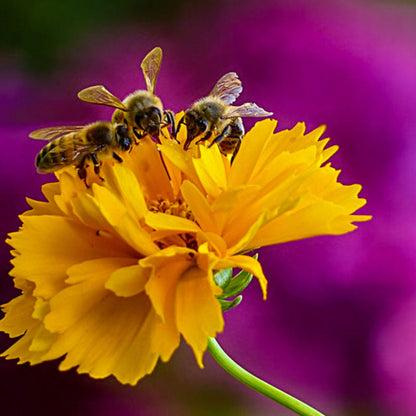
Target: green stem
<point x="256" y="384"/>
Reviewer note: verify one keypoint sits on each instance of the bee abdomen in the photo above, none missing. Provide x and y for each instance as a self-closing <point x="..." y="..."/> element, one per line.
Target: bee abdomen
<point x="50" y="158"/>
<point x="228" y="145"/>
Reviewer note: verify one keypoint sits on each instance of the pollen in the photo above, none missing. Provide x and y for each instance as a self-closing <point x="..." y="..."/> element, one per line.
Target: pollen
<point x="178" y="208"/>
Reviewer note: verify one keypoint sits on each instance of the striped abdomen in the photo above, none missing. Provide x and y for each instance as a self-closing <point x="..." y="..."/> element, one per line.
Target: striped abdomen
<point x="61" y="152"/>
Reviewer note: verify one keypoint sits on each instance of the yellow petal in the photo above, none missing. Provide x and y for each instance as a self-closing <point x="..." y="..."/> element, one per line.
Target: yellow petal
<point x="86" y="290"/>
<point x="154" y="340"/>
<point x="167" y="267"/>
<point x="120" y="336"/>
<point x="216" y="243"/>
<point x="181" y="159"/>
<point x="35" y="336"/>
<point x="18" y="315"/>
<point x="20" y="320"/>
<point x="161" y="221"/>
<point x="41" y="343"/>
<point x="88" y="210"/>
<point x="246" y="263"/>
<point x="317" y="219"/>
<point x="124" y="184"/>
<point x="243" y="241"/>
<point x="49" y="190"/>
<point x="42" y="208"/>
<point x="198" y="312"/>
<point x="110" y="206"/>
<point x="231" y="203"/>
<point x="199" y="206"/>
<point x="104" y="211"/>
<point x="146" y="163"/>
<point x="69" y="188"/>
<point x="134" y="235"/>
<point x="100" y="342"/>
<point x="128" y="281"/>
<point x="49" y="245"/>
<point x="211" y="170"/>
<point x="250" y="150"/>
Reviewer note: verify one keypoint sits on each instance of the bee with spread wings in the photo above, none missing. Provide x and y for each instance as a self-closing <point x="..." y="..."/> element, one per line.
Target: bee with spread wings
<point x="77" y="145"/>
<point x="142" y="111"/>
<point x="213" y="117"/>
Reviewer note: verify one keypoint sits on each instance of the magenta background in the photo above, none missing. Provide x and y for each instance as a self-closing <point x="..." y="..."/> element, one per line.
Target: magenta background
<point x="338" y="328"/>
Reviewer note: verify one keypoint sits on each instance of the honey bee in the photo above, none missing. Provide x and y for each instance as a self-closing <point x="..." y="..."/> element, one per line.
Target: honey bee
<point x="215" y="118"/>
<point x="142" y="111"/>
<point x="77" y="145"/>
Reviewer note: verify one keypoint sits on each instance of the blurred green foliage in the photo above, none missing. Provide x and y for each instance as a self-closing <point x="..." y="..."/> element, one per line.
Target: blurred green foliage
<point x="34" y="31"/>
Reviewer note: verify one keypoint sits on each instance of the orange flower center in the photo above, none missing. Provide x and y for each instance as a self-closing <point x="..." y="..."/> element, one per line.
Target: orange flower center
<point x="178" y="208"/>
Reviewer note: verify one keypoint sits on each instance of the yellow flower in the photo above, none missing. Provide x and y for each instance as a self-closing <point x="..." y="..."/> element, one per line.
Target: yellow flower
<point x="113" y="275"/>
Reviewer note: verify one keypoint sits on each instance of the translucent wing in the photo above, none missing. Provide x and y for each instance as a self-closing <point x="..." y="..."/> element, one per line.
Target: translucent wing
<point x="72" y="150"/>
<point x="246" y="110"/>
<point x="52" y="133"/>
<point x="150" y="67"/>
<point x="98" y="94"/>
<point x="228" y="88"/>
<point x="76" y="148"/>
<point x="61" y="153"/>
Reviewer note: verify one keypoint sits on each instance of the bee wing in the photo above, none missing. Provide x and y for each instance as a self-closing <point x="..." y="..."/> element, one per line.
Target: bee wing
<point x="150" y="67"/>
<point x="52" y="133"/>
<point x="98" y="94"/>
<point x="78" y="147"/>
<point x="73" y="149"/>
<point x="246" y="110"/>
<point x="227" y="88"/>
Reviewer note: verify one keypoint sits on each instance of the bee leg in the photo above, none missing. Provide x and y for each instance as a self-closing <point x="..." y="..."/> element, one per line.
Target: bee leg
<point x="163" y="134"/>
<point x="222" y="136"/>
<point x="117" y="157"/>
<point x="82" y="171"/>
<point x="176" y="130"/>
<point x="97" y="165"/>
<point x="138" y="135"/>
<point x="237" y="148"/>
<point x="170" y="121"/>
<point x="204" y="138"/>
<point x="156" y="136"/>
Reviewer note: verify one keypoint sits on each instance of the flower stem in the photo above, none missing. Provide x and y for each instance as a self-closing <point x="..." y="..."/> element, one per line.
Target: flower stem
<point x="256" y="384"/>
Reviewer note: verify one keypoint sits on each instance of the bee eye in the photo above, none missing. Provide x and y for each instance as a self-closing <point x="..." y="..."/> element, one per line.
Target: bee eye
<point x="150" y="120"/>
<point x="122" y="131"/>
<point x="138" y="119"/>
<point x="203" y="125"/>
<point x="155" y="114"/>
<point x="125" y="143"/>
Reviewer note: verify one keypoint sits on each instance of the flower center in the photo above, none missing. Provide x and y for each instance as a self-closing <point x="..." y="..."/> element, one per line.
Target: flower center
<point x="178" y="208"/>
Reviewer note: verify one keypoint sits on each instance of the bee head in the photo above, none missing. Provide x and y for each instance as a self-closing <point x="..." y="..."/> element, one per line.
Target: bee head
<point x="195" y="125"/>
<point x="149" y="120"/>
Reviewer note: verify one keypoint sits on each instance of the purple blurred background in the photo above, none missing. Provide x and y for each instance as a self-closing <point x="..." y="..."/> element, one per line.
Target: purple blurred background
<point x="338" y="327"/>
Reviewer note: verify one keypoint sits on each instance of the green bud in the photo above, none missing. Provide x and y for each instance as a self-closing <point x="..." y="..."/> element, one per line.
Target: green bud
<point x="223" y="277"/>
<point x="232" y="286"/>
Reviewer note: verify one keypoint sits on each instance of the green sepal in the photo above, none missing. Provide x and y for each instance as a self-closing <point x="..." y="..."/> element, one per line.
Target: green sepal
<point x="223" y="277"/>
<point x="238" y="283"/>
<point x="229" y="304"/>
<point x="232" y="286"/>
